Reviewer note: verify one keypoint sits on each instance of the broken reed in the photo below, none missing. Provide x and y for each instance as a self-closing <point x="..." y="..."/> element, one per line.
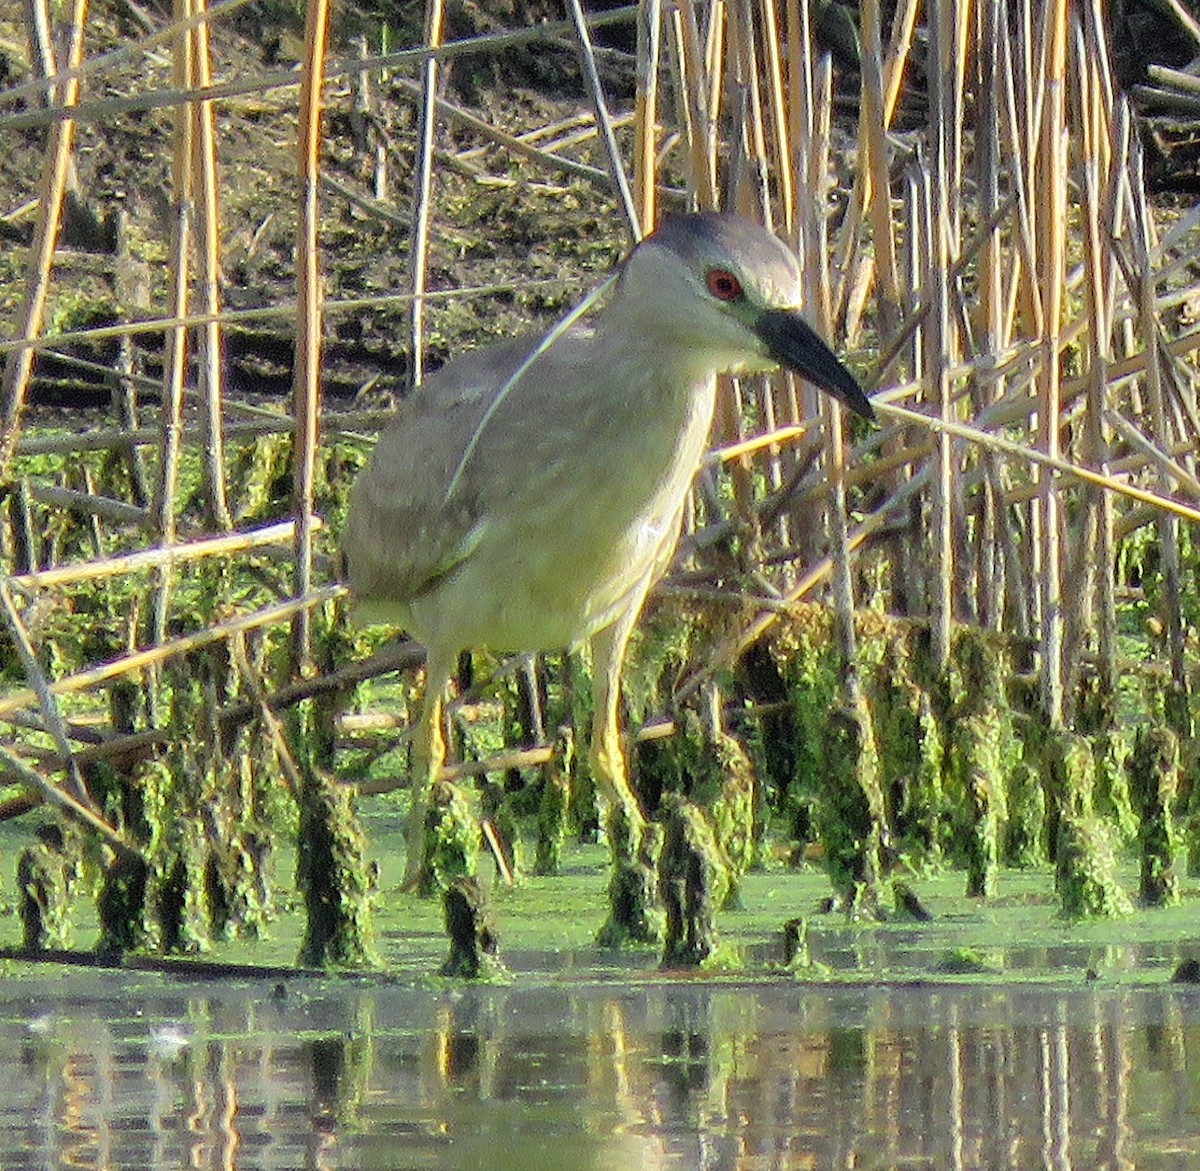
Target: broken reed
<point x="1007" y="275"/>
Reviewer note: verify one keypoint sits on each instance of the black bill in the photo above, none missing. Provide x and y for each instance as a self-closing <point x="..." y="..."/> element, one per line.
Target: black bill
<point x="795" y="344"/>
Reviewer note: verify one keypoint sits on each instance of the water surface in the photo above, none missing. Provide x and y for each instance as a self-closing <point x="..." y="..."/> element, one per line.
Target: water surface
<point x="626" y="1071"/>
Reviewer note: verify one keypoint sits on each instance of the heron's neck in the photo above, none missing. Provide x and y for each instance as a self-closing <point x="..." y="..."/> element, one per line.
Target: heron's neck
<point x="628" y="342"/>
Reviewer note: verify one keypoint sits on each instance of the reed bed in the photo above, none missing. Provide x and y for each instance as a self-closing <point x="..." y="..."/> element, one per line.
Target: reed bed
<point x="965" y="185"/>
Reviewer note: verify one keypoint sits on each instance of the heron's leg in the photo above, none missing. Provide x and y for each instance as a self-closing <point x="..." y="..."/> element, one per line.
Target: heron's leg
<point x="606" y="753"/>
<point x="429" y="754"/>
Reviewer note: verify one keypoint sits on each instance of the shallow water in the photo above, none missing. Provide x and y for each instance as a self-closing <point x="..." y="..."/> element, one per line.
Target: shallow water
<point x="626" y="1072"/>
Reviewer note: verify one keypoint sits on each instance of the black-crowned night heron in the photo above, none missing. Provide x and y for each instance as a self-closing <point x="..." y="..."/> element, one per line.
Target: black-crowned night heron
<point x="535" y="513"/>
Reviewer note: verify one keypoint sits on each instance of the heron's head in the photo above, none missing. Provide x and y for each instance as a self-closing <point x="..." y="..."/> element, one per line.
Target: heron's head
<point x="722" y="285"/>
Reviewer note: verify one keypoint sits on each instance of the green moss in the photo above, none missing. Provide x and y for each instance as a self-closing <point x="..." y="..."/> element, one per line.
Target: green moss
<point x="178" y="900"/>
<point x="801" y="650"/>
<point x="976" y="757"/>
<point x="333" y="875"/>
<point x="1085" y="868"/>
<point x="911" y="753"/>
<point x="121" y="905"/>
<point x="693" y="881"/>
<point x="968" y="961"/>
<point x="714" y="770"/>
<point x="1113" y="800"/>
<point x="46" y="877"/>
<point x="980" y="747"/>
<point x="471" y="926"/>
<point x="451" y="839"/>
<point x="1153" y="769"/>
<point x="554" y="805"/>
<point x="634" y="913"/>
<point x="852" y="810"/>
<point x="1024" y="830"/>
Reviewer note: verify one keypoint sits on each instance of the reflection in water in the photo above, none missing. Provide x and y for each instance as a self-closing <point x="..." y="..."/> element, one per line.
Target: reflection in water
<point x="598" y="1077"/>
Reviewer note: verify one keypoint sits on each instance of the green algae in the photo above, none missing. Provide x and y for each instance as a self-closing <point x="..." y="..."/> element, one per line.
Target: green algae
<point x="548" y="926"/>
<point x="1153" y="769"/>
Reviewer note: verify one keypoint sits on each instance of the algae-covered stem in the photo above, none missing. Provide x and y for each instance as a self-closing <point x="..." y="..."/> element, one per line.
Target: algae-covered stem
<point x="849" y="726"/>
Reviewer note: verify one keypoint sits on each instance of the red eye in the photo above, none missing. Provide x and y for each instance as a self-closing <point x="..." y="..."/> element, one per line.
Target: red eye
<point x="723" y="284"/>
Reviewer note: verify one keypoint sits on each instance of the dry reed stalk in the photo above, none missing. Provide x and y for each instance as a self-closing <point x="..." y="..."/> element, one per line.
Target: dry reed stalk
<point x="751" y="189"/>
<point x="1029" y="455"/>
<point x="510" y="142"/>
<point x="941" y="345"/>
<point x="94" y="571"/>
<point x="51" y="717"/>
<point x="1142" y="238"/>
<point x="135" y="745"/>
<point x="645" y="116"/>
<point x="995" y="560"/>
<point x="595" y="92"/>
<point x="1050" y="228"/>
<point x="124" y="393"/>
<point x="781" y="136"/>
<point x="907" y="572"/>
<point x="899" y="47"/>
<point x="1080" y="568"/>
<point x="567" y="131"/>
<point x="1167" y="465"/>
<point x="108" y="108"/>
<point x="210" y="370"/>
<point x="423" y="170"/>
<point x="502" y="762"/>
<point x="802" y="130"/>
<point x="776" y="397"/>
<point x="20" y="771"/>
<point x="18" y="366"/>
<point x="872" y="189"/>
<point x="175" y="365"/>
<point x="159" y="653"/>
<point x="1022" y="294"/>
<point x="285" y="311"/>
<point x="332" y="424"/>
<point x="1095" y="63"/>
<point x="882" y="77"/>
<point x="747" y="190"/>
<point x="1110" y="150"/>
<point x="694" y="119"/>
<point x="306" y="392"/>
<point x="1100" y="503"/>
<point x="816" y="153"/>
<point x="128" y="50"/>
<point x="400" y="656"/>
<point x="89" y="505"/>
<point x="261" y="700"/>
<point x="715" y="76"/>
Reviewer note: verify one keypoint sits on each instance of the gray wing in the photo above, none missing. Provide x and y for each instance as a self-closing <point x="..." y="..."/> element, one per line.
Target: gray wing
<point x="403" y="533"/>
